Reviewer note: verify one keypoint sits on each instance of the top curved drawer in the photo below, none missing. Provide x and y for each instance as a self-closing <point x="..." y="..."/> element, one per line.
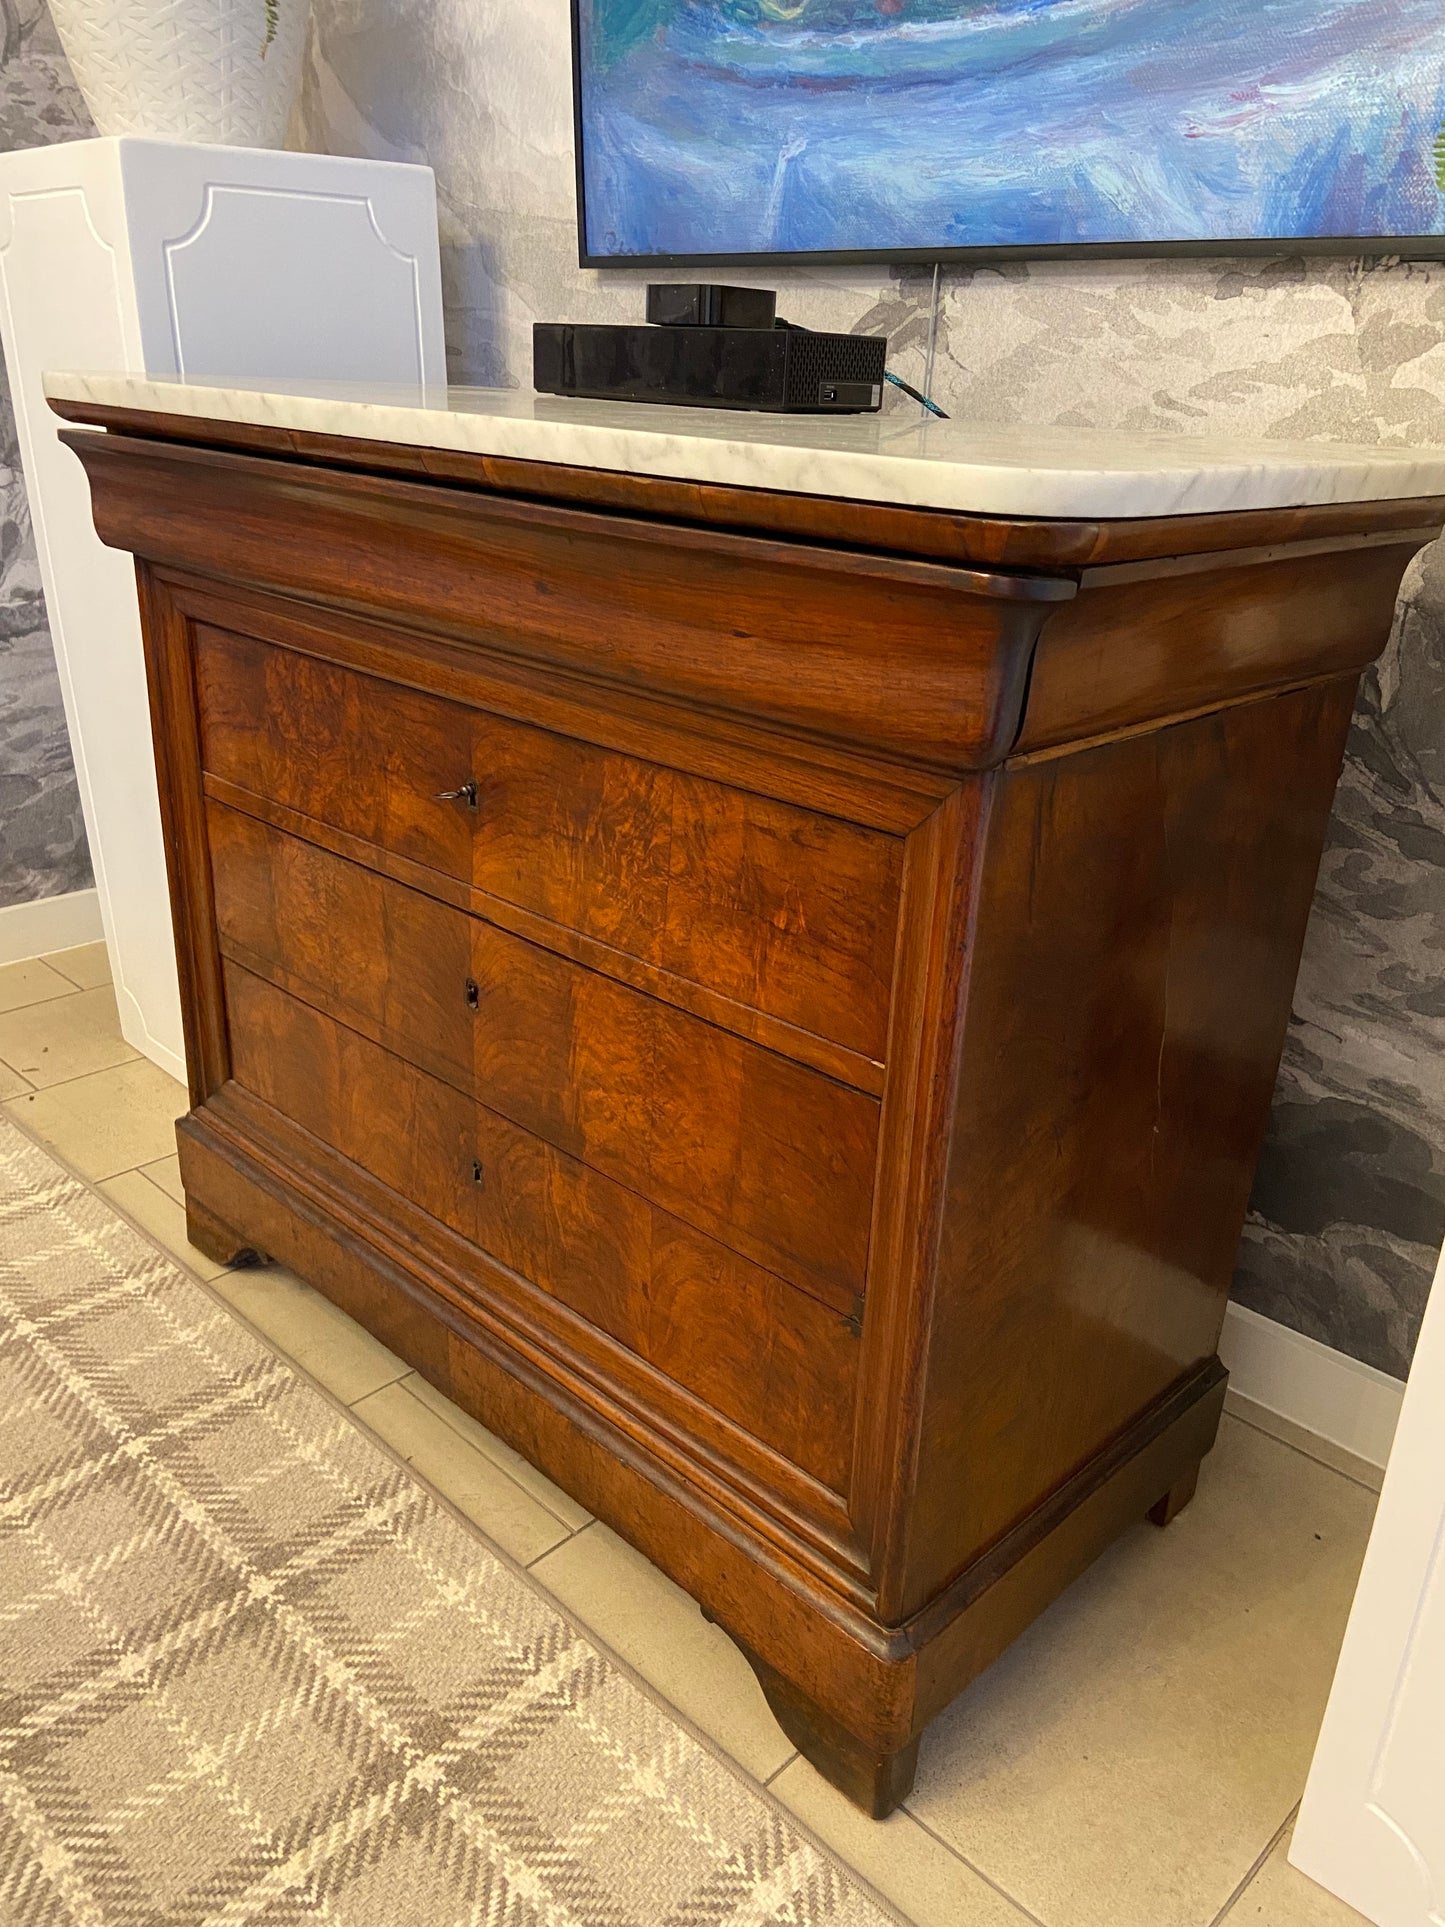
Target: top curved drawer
<point x="922" y="663"/>
<point x="778" y="908"/>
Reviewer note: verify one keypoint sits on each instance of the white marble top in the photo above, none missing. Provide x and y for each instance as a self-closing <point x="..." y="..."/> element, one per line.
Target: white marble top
<point x="895" y="458"/>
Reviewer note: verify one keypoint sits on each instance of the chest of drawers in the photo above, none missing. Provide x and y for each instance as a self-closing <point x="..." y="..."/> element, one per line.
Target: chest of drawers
<point x="772" y="1003"/>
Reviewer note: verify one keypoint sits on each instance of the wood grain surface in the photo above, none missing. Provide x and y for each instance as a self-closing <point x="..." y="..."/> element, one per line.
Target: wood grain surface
<point x="770" y="1003"/>
<point x="788" y="911"/>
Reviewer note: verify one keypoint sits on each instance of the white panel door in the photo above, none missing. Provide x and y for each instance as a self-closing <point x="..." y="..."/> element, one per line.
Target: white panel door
<point x="1372" y="1828"/>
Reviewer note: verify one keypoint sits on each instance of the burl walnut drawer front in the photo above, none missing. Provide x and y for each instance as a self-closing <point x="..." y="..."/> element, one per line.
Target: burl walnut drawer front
<point x="788" y="912"/>
<point x="773" y="1360"/>
<point x="756" y="1150"/>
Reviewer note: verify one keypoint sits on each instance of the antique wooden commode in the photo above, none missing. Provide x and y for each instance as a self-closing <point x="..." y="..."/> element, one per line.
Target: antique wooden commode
<point x="755" y="955"/>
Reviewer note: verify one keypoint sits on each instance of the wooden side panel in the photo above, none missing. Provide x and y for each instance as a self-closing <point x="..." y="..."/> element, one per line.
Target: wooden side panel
<point x="170" y="682"/>
<point x="940" y="882"/>
<point x="766" y="1155"/>
<point x="772" y="1359"/>
<point x="787" y="911"/>
<point x="1137" y="935"/>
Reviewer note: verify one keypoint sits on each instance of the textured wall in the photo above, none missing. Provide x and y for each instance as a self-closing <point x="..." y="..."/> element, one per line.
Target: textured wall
<point x="1349" y="1209"/>
<point x="42" y="839"/>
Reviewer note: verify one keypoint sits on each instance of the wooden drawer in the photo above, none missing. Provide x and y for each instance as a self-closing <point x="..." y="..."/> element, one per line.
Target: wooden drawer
<point x="772" y="1158"/>
<point x="783" y="910"/>
<point x="770" y="1358"/>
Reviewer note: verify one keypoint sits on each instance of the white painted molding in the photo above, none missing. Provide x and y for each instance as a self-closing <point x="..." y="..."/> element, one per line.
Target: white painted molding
<point x="1314" y="1390"/>
<point x="50" y="923"/>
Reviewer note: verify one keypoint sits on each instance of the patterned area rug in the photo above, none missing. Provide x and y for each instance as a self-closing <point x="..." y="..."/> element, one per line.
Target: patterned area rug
<point x="253" y="1671"/>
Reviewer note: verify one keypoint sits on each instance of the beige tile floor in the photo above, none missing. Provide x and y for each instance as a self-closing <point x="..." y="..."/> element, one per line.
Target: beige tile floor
<point x="1134" y="1761"/>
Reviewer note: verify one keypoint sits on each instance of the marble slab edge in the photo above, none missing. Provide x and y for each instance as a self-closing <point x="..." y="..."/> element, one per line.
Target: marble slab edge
<point x="1029" y="472"/>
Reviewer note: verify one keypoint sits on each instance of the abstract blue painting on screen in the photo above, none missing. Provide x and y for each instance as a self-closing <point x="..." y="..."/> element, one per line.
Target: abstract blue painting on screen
<point x="723" y="127"/>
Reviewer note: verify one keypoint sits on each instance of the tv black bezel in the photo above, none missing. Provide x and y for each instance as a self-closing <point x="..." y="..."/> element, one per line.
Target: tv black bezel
<point x="1408" y="247"/>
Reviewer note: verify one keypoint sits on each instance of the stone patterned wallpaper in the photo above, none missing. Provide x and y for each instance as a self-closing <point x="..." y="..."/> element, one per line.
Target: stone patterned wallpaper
<point x="42" y="839"/>
<point x="1349" y="1210"/>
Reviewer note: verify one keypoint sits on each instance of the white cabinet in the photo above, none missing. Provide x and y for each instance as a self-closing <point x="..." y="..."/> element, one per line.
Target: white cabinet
<point x="163" y="257"/>
<point x="1372" y="1827"/>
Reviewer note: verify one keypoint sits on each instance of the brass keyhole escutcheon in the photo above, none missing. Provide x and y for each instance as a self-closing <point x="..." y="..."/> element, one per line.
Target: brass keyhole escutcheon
<point x="474" y="994"/>
<point x="479" y="1176"/>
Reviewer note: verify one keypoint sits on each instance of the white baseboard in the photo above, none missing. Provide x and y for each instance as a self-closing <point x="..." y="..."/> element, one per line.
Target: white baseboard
<point x="50" y="923"/>
<point x="1316" y="1393"/>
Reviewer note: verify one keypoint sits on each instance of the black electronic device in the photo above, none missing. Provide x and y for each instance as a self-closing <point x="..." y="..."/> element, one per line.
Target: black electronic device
<point x="779" y="370"/>
<point x="708" y="304"/>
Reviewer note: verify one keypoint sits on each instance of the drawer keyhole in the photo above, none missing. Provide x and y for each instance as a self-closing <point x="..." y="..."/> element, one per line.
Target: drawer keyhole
<point x="466" y="794"/>
<point x="479" y="1176"/>
<point x="474" y="994"/>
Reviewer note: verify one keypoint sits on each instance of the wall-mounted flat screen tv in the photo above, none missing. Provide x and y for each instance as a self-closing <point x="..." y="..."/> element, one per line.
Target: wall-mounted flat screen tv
<point x="791" y="130"/>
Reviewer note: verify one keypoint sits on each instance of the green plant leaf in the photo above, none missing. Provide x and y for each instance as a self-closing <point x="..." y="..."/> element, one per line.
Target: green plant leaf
<point x="272" y="17"/>
<point x="1440" y="159"/>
